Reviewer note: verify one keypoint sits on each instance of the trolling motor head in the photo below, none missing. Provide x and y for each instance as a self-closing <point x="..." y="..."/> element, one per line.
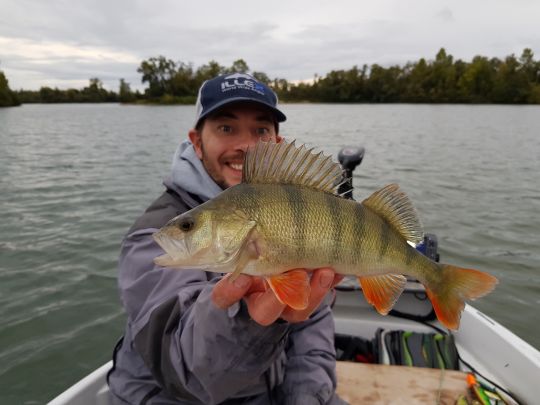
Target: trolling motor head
<point x="349" y="157"/>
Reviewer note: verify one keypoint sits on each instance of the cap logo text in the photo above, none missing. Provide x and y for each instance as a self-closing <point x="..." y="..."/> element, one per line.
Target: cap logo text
<point x="241" y="81"/>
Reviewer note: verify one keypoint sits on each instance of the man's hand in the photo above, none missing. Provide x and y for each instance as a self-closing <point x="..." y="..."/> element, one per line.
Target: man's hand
<point x="263" y="306"/>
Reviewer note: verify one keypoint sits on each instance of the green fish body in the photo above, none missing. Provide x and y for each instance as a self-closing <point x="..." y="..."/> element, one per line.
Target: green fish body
<point x="286" y="214"/>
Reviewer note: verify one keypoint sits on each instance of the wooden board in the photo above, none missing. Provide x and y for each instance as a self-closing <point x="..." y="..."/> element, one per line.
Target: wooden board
<point x="360" y="383"/>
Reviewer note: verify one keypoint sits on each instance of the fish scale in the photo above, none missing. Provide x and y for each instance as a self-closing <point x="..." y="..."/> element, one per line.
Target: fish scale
<point x="313" y="229"/>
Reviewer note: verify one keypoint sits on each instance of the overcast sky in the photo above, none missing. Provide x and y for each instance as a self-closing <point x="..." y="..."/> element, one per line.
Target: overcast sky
<point x="63" y="43"/>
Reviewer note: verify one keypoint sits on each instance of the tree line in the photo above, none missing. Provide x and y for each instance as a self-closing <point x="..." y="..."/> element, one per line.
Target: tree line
<point x="512" y="80"/>
<point x="93" y="93"/>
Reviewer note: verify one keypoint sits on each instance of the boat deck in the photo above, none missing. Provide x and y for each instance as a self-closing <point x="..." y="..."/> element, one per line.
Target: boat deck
<point x="381" y="384"/>
<point x="493" y="350"/>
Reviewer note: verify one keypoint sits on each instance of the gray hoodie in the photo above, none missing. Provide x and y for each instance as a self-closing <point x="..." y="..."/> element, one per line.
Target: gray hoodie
<point x="179" y="348"/>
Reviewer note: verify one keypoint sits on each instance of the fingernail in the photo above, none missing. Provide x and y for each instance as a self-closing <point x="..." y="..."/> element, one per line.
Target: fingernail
<point x="326" y="279"/>
<point x="241" y="282"/>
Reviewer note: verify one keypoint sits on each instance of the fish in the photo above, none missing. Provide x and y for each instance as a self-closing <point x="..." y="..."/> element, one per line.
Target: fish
<point x="287" y="214"/>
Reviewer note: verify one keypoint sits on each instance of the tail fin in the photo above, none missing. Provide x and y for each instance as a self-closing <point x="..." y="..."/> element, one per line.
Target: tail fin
<point x="457" y="285"/>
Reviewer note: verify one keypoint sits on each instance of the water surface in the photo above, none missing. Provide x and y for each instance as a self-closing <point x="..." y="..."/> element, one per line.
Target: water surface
<point x="74" y="178"/>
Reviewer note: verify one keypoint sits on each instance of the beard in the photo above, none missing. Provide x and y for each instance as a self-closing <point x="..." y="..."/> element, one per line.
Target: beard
<point x="214" y="168"/>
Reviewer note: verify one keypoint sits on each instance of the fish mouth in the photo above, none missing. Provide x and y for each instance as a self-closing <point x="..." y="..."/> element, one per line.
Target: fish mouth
<point x="175" y="249"/>
<point x="178" y="254"/>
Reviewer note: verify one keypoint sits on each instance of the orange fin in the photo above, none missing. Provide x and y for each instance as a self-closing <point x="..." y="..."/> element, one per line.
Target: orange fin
<point x="382" y="291"/>
<point x="456" y="286"/>
<point x="291" y="288"/>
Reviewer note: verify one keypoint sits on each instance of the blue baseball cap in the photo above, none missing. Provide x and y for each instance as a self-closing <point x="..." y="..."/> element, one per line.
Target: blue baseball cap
<point x="230" y="88"/>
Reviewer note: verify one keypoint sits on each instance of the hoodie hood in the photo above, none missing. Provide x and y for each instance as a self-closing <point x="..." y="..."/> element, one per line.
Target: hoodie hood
<point x="188" y="174"/>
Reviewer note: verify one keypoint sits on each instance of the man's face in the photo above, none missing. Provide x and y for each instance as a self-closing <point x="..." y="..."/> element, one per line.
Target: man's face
<point x="225" y="136"/>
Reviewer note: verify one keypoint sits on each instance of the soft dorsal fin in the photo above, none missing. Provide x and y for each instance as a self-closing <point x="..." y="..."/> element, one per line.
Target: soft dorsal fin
<point x="286" y="163"/>
<point x="394" y="206"/>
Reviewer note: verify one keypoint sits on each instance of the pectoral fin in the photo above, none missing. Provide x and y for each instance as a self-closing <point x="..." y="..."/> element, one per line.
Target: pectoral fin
<point x="243" y="261"/>
<point x="382" y="291"/>
<point x="291" y="288"/>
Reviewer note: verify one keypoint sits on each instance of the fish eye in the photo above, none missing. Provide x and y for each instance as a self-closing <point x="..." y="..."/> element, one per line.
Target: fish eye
<point x="187" y="224"/>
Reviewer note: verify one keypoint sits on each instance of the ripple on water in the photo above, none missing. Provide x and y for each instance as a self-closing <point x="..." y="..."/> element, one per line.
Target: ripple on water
<point x="74" y="177"/>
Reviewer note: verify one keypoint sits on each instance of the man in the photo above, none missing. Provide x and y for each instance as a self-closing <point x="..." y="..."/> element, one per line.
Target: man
<point x="195" y="337"/>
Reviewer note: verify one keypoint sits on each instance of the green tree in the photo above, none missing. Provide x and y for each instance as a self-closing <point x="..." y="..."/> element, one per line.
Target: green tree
<point x="238" y="66"/>
<point x="28" y="96"/>
<point x="158" y="73"/>
<point x="476" y="83"/>
<point x="125" y="95"/>
<point x="534" y="94"/>
<point x="510" y="82"/>
<point x="183" y="82"/>
<point x="49" y="95"/>
<point x="95" y="93"/>
<point x="331" y="88"/>
<point x="355" y="80"/>
<point x="383" y="84"/>
<point x="530" y="68"/>
<point x="443" y="78"/>
<point x="281" y="87"/>
<point x="417" y="85"/>
<point x="208" y="71"/>
<point x="262" y="77"/>
<point x="7" y="97"/>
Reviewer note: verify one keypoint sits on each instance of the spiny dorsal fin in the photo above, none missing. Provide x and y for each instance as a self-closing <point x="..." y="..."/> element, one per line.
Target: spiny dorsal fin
<point x="286" y="163"/>
<point x="394" y="206"/>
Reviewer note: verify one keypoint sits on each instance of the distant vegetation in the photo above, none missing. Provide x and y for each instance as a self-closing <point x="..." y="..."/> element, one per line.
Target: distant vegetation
<point x="7" y="97"/>
<point x="93" y="93"/>
<point x="512" y="80"/>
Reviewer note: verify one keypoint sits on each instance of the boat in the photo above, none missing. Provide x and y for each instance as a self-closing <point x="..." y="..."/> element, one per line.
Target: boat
<point x="496" y="356"/>
<point x="489" y="359"/>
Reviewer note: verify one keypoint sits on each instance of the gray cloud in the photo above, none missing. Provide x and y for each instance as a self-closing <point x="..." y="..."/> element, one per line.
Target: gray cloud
<point x="61" y="43"/>
<point x="445" y="15"/>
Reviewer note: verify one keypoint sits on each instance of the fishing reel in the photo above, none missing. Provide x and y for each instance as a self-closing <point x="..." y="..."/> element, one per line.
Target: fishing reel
<point x="349" y="157"/>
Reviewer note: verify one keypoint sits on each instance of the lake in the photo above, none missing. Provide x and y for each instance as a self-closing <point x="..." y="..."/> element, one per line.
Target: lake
<point x="74" y="178"/>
